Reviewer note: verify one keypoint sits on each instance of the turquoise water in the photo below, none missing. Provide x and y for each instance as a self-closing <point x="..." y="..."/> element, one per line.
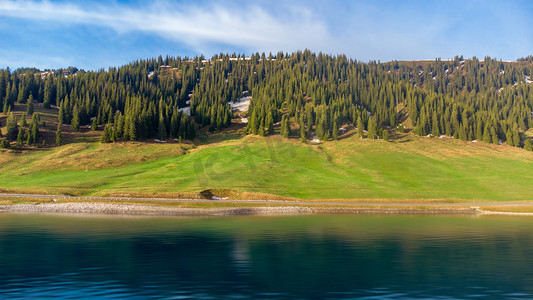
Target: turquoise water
<point x="305" y="257"/>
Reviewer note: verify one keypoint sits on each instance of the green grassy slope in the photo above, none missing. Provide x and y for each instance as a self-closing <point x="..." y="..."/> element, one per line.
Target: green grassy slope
<point x="408" y="168"/>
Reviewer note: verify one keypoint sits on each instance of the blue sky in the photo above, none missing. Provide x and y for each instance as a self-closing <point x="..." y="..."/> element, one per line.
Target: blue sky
<point x="100" y="34"/>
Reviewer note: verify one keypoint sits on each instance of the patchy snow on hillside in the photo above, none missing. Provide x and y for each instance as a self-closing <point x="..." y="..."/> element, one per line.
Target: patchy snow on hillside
<point x="241" y="105"/>
<point x="186" y="110"/>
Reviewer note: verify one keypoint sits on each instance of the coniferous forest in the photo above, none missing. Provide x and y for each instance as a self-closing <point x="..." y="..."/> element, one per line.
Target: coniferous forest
<point x="303" y="94"/>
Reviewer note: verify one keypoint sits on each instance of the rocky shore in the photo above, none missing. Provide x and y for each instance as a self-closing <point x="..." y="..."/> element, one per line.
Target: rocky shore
<point x="131" y="209"/>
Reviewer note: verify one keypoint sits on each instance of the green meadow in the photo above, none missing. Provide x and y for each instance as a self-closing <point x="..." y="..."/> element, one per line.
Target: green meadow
<point x="248" y="167"/>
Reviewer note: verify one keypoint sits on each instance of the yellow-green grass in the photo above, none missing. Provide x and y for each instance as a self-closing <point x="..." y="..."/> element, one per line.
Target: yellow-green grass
<point x="408" y="169"/>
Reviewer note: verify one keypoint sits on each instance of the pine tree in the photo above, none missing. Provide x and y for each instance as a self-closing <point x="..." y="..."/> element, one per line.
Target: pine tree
<point x="335" y="130"/>
<point x="59" y="135"/>
<point x="33" y="133"/>
<point x="20" y="136"/>
<point x="132" y="129"/>
<point x="494" y="136"/>
<point x="11" y="127"/>
<point x="319" y="130"/>
<point x="107" y="135"/>
<point x="22" y="121"/>
<point x="479" y="131"/>
<point x="509" y="138"/>
<point x="94" y="124"/>
<point x="161" y="128"/>
<point x="29" y="138"/>
<point x="303" y="137"/>
<point x="516" y="137"/>
<point x="528" y="145"/>
<point x="462" y="133"/>
<point x="29" y="106"/>
<point x="270" y="123"/>
<point x="435" y="125"/>
<point x="386" y="135"/>
<point x="372" y="128"/>
<point x="75" y="123"/>
<point x="360" y="127"/>
<point x="285" y="128"/>
<point x="262" y="128"/>
<point x="487" y="138"/>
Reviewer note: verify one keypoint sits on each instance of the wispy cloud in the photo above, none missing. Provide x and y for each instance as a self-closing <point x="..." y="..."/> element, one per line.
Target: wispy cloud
<point x="94" y="35"/>
<point x="248" y="27"/>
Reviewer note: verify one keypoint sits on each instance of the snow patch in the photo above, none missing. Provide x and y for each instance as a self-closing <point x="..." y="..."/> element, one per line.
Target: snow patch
<point x="241" y="104"/>
<point x="315" y="139"/>
<point x="185" y="110"/>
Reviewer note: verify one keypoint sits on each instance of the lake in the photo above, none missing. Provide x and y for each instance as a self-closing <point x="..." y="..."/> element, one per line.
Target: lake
<point x="305" y="257"/>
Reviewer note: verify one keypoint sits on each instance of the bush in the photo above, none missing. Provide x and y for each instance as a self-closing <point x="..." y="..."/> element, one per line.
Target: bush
<point x="5" y="144"/>
<point x="400" y="128"/>
<point x="386" y="135"/>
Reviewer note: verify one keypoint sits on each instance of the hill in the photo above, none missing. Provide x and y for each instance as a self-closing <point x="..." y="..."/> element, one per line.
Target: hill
<point x="248" y="167"/>
<point x="298" y="125"/>
<point x="314" y="94"/>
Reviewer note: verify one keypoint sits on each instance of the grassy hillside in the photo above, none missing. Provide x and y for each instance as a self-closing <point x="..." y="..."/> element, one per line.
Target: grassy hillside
<point x="409" y="167"/>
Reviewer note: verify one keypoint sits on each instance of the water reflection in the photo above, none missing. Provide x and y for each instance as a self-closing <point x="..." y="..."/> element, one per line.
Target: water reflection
<point x="266" y="257"/>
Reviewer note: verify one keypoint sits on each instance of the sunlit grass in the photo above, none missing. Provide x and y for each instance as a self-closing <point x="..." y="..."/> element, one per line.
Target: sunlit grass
<point x="409" y="167"/>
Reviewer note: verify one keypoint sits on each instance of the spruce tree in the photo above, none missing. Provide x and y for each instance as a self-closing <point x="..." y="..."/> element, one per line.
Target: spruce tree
<point x="107" y="134"/>
<point x="270" y="123"/>
<point x="494" y="136"/>
<point x="132" y="129"/>
<point x="94" y="124"/>
<point x="435" y="125"/>
<point x="528" y="145"/>
<point x="285" y="128"/>
<point x="75" y="123"/>
<point x="360" y="127"/>
<point x="303" y="137"/>
<point x="29" y="106"/>
<point x="34" y="129"/>
<point x="386" y="135"/>
<point x="516" y="137"/>
<point x="20" y="136"/>
<point x="161" y="128"/>
<point x="29" y="138"/>
<point x="509" y="138"/>
<point x="335" y="130"/>
<point x="262" y="128"/>
<point x="22" y="121"/>
<point x="59" y="135"/>
<point x="372" y="128"/>
<point x="11" y="127"/>
<point x="487" y="138"/>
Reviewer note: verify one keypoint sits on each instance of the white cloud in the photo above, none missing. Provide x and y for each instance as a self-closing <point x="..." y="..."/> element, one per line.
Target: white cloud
<point x="249" y="27"/>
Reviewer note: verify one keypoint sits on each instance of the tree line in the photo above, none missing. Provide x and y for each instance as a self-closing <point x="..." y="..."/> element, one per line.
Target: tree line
<point x="302" y="93"/>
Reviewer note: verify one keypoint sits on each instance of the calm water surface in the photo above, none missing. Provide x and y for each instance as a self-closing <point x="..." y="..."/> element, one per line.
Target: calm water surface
<point x="306" y="257"/>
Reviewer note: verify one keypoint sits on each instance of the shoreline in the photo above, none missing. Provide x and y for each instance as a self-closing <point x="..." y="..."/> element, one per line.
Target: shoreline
<point x="137" y="209"/>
